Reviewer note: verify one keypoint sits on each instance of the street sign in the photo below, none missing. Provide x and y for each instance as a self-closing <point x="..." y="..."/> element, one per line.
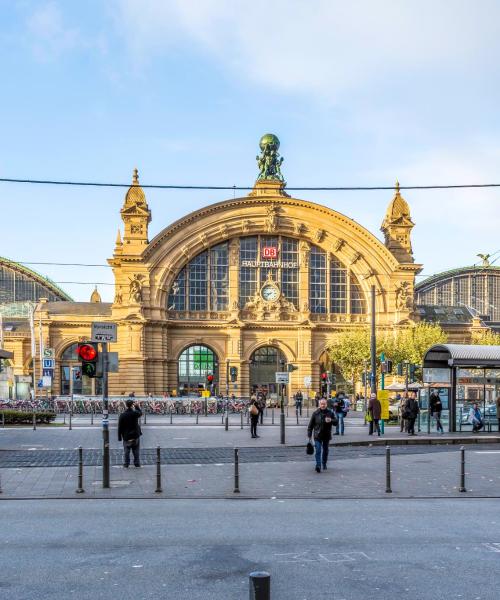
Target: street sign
<point x="46" y="382"/>
<point x="47" y="372"/>
<point x="307" y="381"/>
<point x="39" y="383"/>
<point x="48" y="363"/>
<point x="282" y="376"/>
<point x="49" y="353"/>
<point x="103" y="332"/>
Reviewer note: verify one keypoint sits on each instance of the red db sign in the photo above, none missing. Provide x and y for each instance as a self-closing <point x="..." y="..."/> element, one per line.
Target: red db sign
<point x="269" y="252"/>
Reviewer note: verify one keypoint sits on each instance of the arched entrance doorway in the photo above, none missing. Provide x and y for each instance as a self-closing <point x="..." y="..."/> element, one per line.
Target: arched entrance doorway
<point x="264" y="363"/>
<point x="196" y="364"/>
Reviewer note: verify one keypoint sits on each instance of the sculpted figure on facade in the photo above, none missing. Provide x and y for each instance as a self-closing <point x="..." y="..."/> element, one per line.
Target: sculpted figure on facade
<point x="319" y="235"/>
<point x="135" y="289"/>
<point x="404" y="299"/>
<point x="269" y="161"/>
<point x="304" y="254"/>
<point x="272" y="219"/>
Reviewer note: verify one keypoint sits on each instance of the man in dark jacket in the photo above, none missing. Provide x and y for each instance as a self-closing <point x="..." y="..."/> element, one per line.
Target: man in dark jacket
<point x="412" y="410"/>
<point x="375" y="412"/>
<point x="436" y="407"/>
<point x="129" y="431"/>
<point x="320" y="424"/>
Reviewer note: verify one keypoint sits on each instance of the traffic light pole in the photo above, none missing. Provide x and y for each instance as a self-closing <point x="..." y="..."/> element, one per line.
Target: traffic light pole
<point x="282" y="413"/>
<point x="373" y="346"/>
<point x="105" y="417"/>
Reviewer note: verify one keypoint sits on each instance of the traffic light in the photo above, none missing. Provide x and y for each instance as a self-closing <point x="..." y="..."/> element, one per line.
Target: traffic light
<point x="399" y="369"/>
<point x="388" y="366"/>
<point x="210" y="379"/>
<point x="233" y="373"/>
<point x="411" y="374"/>
<point x="291" y="367"/>
<point x="89" y="355"/>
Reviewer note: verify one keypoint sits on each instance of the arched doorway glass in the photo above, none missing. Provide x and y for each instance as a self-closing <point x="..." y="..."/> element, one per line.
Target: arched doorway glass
<point x="72" y="381"/>
<point x="264" y="363"/>
<point x="195" y="364"/>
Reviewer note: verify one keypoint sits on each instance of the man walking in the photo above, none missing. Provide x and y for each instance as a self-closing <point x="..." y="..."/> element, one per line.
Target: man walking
<point x="412" y="410"/>
<point x="298" y="402"/>
<point x="129" y="431"/>
<point x="321" y="424"/>
<point x="436" y="407"/>
<point x="340" y="409"/>
<point x="375" y="411"/>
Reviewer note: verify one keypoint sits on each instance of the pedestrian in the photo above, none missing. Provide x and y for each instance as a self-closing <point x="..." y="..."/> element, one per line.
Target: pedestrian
<point x="340" y="410"/>
<point x="498" y="412"/>
<point x="254" y="411"/>
<point x="129" y="432"/>
<point x="375" y="411"/>
<point x="320" y="425"/>
<point x="436" y="407"/>
<point x="317" y="398"/>
<point x="298" y="402"/>
<point x="412" y="410"/>
<point x="476" y="418"/>
<point x="402" y="410"/>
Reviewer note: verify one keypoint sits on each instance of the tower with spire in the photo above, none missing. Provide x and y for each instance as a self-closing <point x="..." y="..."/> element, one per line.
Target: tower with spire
<point x="136" y="216"/>
<point x="397" y="227"/>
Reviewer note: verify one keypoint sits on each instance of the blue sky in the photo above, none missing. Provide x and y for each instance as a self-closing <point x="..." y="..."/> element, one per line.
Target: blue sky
<point x="359" y="93"/>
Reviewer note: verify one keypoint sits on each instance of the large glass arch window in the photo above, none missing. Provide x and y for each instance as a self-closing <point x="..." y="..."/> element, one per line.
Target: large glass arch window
<point x="332" y="288"/>
<point x="195" y="363"/>
<point x="203" y="284"/>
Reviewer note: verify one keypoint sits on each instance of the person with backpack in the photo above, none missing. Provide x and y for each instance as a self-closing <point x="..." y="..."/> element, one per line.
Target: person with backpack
<point x="254" y="410"/>
<point x="436" y="407"/>
<point x="320" y="426"/>
<point x="340" y="409"/>
<point x="129" y="431"/>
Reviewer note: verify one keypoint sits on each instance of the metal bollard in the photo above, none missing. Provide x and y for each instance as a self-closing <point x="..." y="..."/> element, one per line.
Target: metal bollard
<point x="226" y="422"/>
<point x="287" y="410"/>
<point x="236" y="471"/>
<point x="170" y="416"/>
<point x="241" y="415"/>
<point x="260" y="585"/>
<point x="79" y="489"/>
<point x="158" y="471"/>
<point x="222" y="418"/>
<point x="71" y="418"/>
<point x="196" y="418"/>
<point x="3" y="419"/>
<point x="388" y="489"/>
<point x="92" y="409"/>
<point x="272" y="416"/>
<point x="462" y="470"/>
<point x="34" y="421"/>
<point x="297" y="414"/>
<point x="145" y="413"/>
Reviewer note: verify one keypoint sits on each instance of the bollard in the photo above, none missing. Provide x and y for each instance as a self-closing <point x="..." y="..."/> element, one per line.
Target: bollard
<point x="196" y="418"/>
<point x="462" y="470"/>
<point x="70" y="418"/>
<point x="145" y="413"/>
<point x="287" y="410"/>
<point x="241" y="415"/>
<point x="307" y="413"/>
<point x="260" y="585"/>
<point x="226" y="421"/>
<point x="272" y="416"/>
<point x="64" y="417"/>
<point x="236" y="471"/>
<point x="297" y="414"/>
<point x="3" y="419"/>
<point x="158" y="471"/>
<point x="170" y="415"/>
<point x="79" y="489"/>
<point x="34" y="421"/>
<point x="92" y="409"/>
<point x="222" y="418"/>
<point x="388" y="489"/>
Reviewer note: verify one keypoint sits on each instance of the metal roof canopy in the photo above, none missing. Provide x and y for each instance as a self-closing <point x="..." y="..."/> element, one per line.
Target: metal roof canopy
<point x="6" y="354"/>
<point x="462" y="355"/>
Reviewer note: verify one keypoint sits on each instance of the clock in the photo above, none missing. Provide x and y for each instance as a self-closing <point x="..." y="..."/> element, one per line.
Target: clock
<point x="270" y="292"/>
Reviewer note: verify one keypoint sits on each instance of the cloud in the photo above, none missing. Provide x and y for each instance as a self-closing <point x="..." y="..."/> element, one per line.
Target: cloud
<point x="324" y="47"/>
<point x="49" y="35"/>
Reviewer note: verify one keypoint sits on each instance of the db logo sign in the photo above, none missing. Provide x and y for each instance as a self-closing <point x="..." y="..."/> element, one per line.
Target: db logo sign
<point x="269" y="252"/>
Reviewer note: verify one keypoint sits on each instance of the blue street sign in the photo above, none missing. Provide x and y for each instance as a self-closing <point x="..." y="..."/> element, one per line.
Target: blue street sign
<point x="48" y="363"/>
<point x="48" y="373"/>
<point x="39" y="383"/>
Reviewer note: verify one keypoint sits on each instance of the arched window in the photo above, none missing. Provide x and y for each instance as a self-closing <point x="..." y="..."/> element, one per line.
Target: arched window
<point x="203" y="283"/>
<point x="195" y="364"/>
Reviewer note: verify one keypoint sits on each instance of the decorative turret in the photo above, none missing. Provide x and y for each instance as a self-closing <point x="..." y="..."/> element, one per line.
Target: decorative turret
<point x="95" y="297"/>
<point x="136" y="216"/>
<point x="397" y="226"/>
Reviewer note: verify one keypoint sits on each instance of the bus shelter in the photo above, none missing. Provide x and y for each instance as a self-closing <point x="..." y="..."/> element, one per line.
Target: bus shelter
<point x="462" y="375"/>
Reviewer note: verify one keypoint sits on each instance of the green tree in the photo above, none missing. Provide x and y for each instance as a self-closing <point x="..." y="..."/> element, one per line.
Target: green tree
<point x="486" y="337"/>
<point x="350" y="352"/>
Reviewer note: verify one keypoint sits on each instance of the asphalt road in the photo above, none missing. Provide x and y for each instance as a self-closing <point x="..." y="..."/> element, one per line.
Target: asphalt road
<point x="204" y="550"/>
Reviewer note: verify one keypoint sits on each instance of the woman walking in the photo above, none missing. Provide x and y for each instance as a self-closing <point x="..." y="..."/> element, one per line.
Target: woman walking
<point x="254" y="416"/>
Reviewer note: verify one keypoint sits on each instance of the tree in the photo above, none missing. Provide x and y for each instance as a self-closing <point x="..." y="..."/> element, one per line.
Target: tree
<point x="350" y="352"/>
<point x="485" y="337"/>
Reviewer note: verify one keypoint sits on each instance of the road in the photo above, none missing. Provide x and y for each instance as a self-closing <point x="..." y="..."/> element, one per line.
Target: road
<point x="204" y="550"/>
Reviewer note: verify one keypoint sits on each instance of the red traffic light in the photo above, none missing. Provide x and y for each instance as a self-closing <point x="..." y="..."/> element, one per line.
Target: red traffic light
<point x="210" y="378"/>
<point x="87" y="352"/>
<point x="324" y="376"/>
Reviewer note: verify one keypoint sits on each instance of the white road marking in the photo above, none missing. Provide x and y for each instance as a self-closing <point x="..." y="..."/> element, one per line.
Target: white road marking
<point x="492" y="546"/>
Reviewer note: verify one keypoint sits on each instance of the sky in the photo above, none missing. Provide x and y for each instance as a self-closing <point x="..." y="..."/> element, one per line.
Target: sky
<point x="359" y="93"/>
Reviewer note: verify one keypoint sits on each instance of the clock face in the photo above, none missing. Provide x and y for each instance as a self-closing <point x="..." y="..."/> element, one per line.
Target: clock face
<point x="270" y="293"/>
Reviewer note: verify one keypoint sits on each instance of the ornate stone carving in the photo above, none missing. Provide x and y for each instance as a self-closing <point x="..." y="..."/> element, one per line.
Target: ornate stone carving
<point x="260" y="310"/>
<point x="337" y="245"/>
<point x="355" y="257"/>
<point x="136" y="229"/>
<point x="319" y="235"/>
<point x="204" y="239"/>
<point x="135" y="289"/>
<point x="305" y="249"/>
<point x="269" y="161"/>
<point x="272" y="219"/>
<point x="224" y="230"/>
<point x="300" y="229"/>
<point x="404" y="300"/>
<point x="245" y="226"/>
<point x="118" y="297"/>
<point x="234" y="254"/>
